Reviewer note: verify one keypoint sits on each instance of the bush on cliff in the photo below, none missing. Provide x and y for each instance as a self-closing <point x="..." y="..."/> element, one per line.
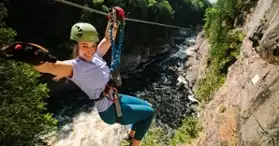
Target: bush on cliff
<point x="225" y="40"/>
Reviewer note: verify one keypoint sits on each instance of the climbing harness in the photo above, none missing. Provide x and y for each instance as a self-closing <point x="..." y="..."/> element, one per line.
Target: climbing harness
<point x="127" y="19"/>
<point x="112" y="94"/>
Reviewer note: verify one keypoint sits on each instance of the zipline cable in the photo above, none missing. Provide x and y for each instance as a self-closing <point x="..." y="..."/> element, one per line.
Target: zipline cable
<point x="128" y="19"/>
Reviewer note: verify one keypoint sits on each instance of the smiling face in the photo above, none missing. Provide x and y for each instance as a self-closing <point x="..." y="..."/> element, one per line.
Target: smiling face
<point x="86" y="50"/>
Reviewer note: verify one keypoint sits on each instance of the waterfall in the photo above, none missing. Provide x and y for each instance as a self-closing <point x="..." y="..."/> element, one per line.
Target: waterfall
<point x="87" y="129"/>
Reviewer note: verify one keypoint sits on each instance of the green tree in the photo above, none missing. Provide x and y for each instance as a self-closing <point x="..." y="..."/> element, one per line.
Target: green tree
<point x="23" y="118"/>
<point x="189" y="12"/>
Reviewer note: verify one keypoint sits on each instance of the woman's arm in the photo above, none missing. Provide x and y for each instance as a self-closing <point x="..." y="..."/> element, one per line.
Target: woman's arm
<point x="59" y="68"/>
<point x="105" y="43"/>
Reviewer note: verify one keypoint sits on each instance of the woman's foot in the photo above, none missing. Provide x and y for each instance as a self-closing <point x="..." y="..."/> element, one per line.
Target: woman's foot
<point x="130" y="137"/>
<point x="132" y="133"/>
<point x="135" y="142"/>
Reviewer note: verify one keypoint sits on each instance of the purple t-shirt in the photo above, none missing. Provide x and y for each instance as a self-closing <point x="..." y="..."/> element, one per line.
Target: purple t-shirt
<point x="92" y="77"/>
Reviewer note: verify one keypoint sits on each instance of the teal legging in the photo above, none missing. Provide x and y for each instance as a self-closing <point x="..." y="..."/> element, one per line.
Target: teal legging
<point x="135" y="111"/>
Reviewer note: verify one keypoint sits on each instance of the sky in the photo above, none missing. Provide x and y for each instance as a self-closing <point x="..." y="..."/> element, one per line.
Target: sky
<point x="212" y="1"/>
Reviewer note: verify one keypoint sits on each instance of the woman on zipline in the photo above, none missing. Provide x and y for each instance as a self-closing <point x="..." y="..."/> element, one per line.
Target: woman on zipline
<point x="91" y="73"/>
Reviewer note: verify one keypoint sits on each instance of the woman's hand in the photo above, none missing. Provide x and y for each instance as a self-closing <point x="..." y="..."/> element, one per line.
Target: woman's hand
<point x="115" y="15"/>
<point x="57" y="78"/>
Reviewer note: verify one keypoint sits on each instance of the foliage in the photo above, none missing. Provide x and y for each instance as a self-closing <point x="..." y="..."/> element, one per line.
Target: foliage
<point x="212" y="81"/>
<point x="245" y="5"/>
<point x="23" y="118"/>
<point x="225" y="40"/>
<point x="187" y="132"/>
<point x="189" y="11"/>
<point x="6" y="33"/>
<point x="155" y="137"/>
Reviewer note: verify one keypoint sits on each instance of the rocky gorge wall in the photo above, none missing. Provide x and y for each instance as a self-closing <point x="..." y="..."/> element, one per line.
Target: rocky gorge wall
<point x="244" y="111"/>
<point x="131" y="61"/>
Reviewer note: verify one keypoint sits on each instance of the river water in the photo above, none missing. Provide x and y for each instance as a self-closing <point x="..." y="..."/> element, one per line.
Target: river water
<point x="161" y="82"/>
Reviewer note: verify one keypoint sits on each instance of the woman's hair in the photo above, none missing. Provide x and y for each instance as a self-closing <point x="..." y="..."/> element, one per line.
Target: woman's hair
<point x="75" y="51"/>
<point x="75" y="48"/>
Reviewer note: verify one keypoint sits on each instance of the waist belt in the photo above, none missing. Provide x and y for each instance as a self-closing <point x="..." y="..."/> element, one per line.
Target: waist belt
<point x="111" y="93"/>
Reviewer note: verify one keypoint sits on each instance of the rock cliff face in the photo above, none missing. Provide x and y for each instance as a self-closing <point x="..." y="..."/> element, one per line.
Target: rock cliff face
<point x="197" y="59"/>
<point x="245" y="110"/>
<point x="131" y="61"/>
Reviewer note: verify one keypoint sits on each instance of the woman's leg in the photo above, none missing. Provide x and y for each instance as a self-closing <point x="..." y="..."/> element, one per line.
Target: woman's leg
<point x="133" y="100"/>
<point x="135" y="111"/>
<point x="140" y="110"/>
<point x="109" y="116"/>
